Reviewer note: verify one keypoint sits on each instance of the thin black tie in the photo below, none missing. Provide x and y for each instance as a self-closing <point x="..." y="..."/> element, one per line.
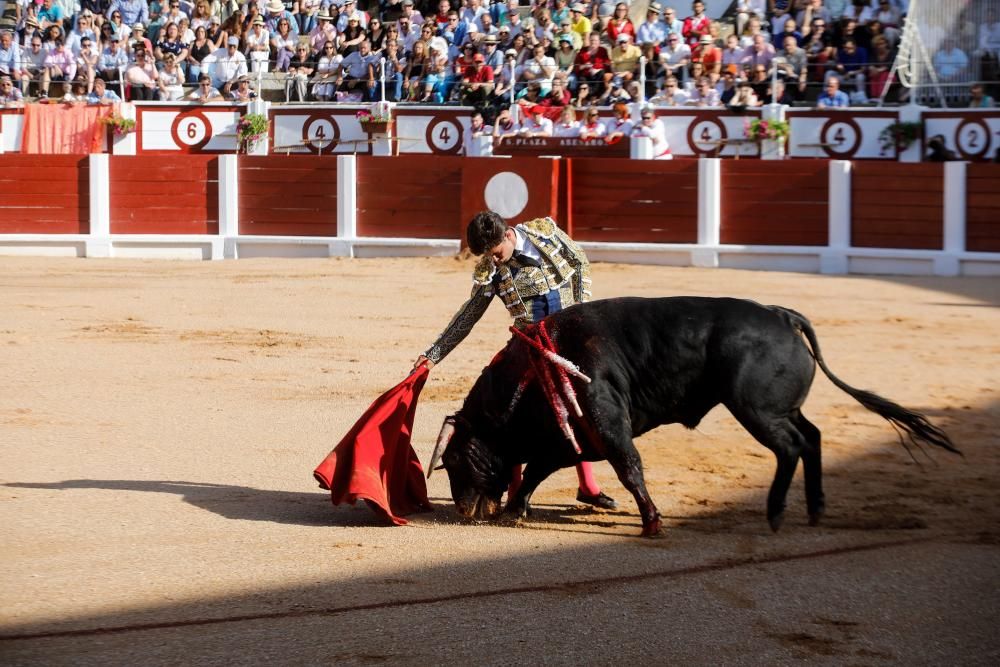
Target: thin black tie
<point x="526" y="259"/>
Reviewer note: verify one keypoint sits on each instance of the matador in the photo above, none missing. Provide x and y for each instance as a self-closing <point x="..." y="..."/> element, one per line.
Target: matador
<point x="536" y="269"/>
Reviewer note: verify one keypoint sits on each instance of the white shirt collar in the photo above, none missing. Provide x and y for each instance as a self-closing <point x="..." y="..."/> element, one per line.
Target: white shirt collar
<point x="523" y="244"/>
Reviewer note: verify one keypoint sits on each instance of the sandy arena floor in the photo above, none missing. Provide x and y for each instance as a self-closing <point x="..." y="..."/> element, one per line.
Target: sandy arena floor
<point x="159" y="423"/>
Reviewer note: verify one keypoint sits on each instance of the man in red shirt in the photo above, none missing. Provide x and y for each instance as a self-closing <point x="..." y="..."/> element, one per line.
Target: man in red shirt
<point x="477" y="82"/>
<point x="697" y="25"/>
<point x="593" y="64"/>
<point x="709" y="55"/>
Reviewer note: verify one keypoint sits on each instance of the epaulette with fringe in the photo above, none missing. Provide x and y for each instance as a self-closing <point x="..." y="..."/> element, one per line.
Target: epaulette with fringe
<point x="540" y="227"/>
<point x="484" y="271"/>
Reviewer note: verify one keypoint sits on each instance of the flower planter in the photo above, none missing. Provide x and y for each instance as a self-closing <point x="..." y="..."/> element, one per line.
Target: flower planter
<point x="375" y="126"/>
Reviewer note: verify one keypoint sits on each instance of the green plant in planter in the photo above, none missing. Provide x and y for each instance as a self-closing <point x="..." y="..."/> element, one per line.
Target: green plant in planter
<point x="759" y="129"/>
<point x="250" y="129"/>
<point x="900" y="135"/>
<point x="121" y="125"/>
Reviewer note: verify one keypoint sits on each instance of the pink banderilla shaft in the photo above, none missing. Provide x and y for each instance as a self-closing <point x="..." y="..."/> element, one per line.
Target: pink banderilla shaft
<point x="544" y="374"/>
<point x="567" y="387"/>
<point x="549" y="354"/>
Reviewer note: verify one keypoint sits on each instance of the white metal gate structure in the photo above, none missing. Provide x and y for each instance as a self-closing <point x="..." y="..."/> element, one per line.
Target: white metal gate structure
<point x="945" y="47"/>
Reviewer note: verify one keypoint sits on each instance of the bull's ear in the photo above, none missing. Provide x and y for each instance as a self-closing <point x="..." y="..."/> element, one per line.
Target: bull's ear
<point x="440" y="467"/>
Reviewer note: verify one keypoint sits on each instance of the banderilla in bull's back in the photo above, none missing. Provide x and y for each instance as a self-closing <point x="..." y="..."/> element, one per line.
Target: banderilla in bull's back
<point x="590" y="379"/>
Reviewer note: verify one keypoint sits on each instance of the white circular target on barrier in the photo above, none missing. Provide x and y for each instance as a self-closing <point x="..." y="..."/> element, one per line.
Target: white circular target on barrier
<point x="972" y="138"/>
<point x="506" y="194"/>
<point x="320" y="133"/>
<point x="841" y="138"/>
<point x="444" y="135"/>
<point x="704" y="135"/>
<point x="191" y="130"/>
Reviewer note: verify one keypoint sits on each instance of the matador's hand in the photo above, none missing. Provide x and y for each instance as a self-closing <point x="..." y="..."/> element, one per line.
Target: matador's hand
<point x="423" y="360"/>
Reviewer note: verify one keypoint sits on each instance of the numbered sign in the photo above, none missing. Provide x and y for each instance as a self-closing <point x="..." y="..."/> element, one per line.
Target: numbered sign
<point x="191" y="130"/>
<point x="444" y="136"/>
<point x="840" y="137"/>
<point x="972" y="138"/>
<point x="705" y="135"/>
<point x="320" y="133"/>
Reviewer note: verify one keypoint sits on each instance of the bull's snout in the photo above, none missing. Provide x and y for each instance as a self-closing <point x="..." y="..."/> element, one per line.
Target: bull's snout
<point x="479" y="507"/>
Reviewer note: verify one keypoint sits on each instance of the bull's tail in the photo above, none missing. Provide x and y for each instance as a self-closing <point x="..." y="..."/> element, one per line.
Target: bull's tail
<point x="915" y="426"/>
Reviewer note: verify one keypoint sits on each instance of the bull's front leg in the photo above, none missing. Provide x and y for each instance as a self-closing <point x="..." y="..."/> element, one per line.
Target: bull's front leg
<point x="625" y="459"/>
<point x="534" y="474"/>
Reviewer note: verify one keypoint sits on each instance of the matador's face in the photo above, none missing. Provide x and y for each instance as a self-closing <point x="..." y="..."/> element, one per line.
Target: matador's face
<point x="503" y="251"/>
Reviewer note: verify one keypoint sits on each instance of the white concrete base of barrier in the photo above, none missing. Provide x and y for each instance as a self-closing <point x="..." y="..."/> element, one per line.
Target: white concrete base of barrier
<point x="293" y="246"/>
<point x="201" y="247"/>
<point x="800" y="259"/>
<point x="796" y="259"/>
<point x="33" y="245"/>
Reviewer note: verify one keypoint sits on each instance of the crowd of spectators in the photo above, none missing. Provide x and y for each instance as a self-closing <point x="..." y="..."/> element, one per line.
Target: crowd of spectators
<point x="489" y="54"/>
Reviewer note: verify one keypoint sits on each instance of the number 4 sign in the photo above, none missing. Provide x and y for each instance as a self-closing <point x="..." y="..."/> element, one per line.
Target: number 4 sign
<point x="444" y="136"/>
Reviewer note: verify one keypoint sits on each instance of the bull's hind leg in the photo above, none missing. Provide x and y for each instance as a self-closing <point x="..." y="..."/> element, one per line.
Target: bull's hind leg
<point x="812" y="466"/>
<point x="780" y="436"/>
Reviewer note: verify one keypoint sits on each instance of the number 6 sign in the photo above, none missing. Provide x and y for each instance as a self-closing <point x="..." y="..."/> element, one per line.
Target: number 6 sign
<point x="191" y="131"/>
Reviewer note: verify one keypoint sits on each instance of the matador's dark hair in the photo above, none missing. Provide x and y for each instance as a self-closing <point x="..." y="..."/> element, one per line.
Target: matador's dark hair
<point x="485" y="231"/>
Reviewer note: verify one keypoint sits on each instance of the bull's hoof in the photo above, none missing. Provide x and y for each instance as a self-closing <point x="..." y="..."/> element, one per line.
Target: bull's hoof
<point x="776" y="520"/>
<point x="653" y="530"/>
<point x="517" y="512"/>
<point x="814" y="517"/>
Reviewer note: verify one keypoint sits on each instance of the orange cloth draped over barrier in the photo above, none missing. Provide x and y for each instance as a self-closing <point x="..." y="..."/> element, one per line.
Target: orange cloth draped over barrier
<point x="65" y="128"/>
<point x="375" y="462"/>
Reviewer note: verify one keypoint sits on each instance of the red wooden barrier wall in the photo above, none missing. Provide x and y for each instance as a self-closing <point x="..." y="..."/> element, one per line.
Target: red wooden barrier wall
<point x="288" y="195"/>
<point x="165" y="194"/>
<point x="775" y="203"/>
<point x="896" y="205"/>
<point x="410" y="196"/>
<point x="982" y="227"/>
<point x="44" y="194"/>
<point x="641" y="201"/>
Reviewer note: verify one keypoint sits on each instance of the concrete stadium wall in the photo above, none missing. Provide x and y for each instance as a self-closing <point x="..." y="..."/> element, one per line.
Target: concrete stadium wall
<point x="824" y="216"/>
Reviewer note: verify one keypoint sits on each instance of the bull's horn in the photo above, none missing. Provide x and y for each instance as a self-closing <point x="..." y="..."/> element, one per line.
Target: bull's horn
<point x="447" y="430"/>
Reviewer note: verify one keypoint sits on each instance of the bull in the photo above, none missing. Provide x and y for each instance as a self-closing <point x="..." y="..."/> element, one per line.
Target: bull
<point x="650" y="362"/>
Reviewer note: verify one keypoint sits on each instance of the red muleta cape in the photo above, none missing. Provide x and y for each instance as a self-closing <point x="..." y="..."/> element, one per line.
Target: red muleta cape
<point x="375" y="461"/>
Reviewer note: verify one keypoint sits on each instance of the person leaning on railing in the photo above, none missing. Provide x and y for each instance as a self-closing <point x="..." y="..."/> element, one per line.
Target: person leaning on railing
<point x="101" y="94"/>
<point x="300" y="69"/>
<point x="358" y="71"/>
<point x="142" y="77"/>
<point x="60" y="65"/>
<point x="10" y="95"/>
<point x="327" y="68"/>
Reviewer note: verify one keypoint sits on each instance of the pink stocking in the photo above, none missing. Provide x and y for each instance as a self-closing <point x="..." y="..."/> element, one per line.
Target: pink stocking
<point x="515" y="482"/>
<point x="588" y="485"/>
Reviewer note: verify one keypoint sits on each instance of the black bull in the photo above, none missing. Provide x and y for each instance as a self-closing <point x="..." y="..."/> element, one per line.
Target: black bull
<point x="652" y="362"/>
